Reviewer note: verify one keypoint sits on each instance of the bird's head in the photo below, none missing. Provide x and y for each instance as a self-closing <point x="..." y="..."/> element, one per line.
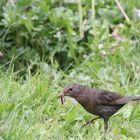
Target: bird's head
<point x="70" y="90"/>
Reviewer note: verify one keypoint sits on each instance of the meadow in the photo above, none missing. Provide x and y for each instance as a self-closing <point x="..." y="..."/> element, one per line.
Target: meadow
<point x="42" y="53"/>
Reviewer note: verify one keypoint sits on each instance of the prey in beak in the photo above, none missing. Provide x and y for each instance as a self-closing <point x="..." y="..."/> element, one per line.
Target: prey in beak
<point x="61" y="96"/>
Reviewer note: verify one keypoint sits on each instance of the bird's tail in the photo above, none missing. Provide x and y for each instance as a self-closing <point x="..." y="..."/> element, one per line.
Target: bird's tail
<point x="134" y="98"/>
<point x="126" y="99"/>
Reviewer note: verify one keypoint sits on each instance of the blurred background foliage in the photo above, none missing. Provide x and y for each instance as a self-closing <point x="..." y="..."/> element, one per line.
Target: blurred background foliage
<point x="35" y="31"/>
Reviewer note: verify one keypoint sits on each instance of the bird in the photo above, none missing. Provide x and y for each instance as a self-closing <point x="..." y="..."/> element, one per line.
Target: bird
<point x="99" y="102"/>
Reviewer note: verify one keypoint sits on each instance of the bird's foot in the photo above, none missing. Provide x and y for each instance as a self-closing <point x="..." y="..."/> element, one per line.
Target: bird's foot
<point x="90" y="121"/>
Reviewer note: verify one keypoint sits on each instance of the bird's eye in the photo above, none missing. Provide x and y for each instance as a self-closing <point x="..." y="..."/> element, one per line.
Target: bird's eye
<point x="70" y="89"/>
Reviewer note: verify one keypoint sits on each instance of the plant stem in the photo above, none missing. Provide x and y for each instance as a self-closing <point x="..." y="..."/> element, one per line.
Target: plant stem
<point x="12" y="2"/>
<point x="80" y="19"/>
<point x="93" y="17"/>
<point x="122" y="11"/>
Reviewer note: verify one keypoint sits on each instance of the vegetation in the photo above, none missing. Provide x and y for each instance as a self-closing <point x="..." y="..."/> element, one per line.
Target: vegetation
<point x="45" y="45"/>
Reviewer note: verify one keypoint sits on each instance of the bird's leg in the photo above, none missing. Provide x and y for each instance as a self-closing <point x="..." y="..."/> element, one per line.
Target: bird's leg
<point x="105" y="124"/>
<point x="90" y="121"/>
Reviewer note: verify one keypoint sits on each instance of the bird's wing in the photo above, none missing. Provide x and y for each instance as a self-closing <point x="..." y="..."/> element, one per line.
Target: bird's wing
<point x="110" y="98"/>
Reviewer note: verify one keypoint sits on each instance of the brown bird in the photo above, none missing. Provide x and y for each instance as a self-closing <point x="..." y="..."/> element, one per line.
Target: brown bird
<point x="99" y="102"/>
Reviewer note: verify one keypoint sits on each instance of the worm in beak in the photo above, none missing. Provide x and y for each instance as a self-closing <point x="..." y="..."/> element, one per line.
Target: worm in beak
<point x="61" y="96"/>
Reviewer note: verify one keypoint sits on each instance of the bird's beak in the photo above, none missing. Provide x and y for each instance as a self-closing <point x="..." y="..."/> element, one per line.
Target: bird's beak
<point x="61" y="96"/>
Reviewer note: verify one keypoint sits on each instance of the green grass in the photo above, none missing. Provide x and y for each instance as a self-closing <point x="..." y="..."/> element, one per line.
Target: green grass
<point x="29" y="109"/>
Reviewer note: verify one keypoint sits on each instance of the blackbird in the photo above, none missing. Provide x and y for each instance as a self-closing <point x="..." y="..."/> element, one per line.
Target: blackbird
<point x="102" y="103"/>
